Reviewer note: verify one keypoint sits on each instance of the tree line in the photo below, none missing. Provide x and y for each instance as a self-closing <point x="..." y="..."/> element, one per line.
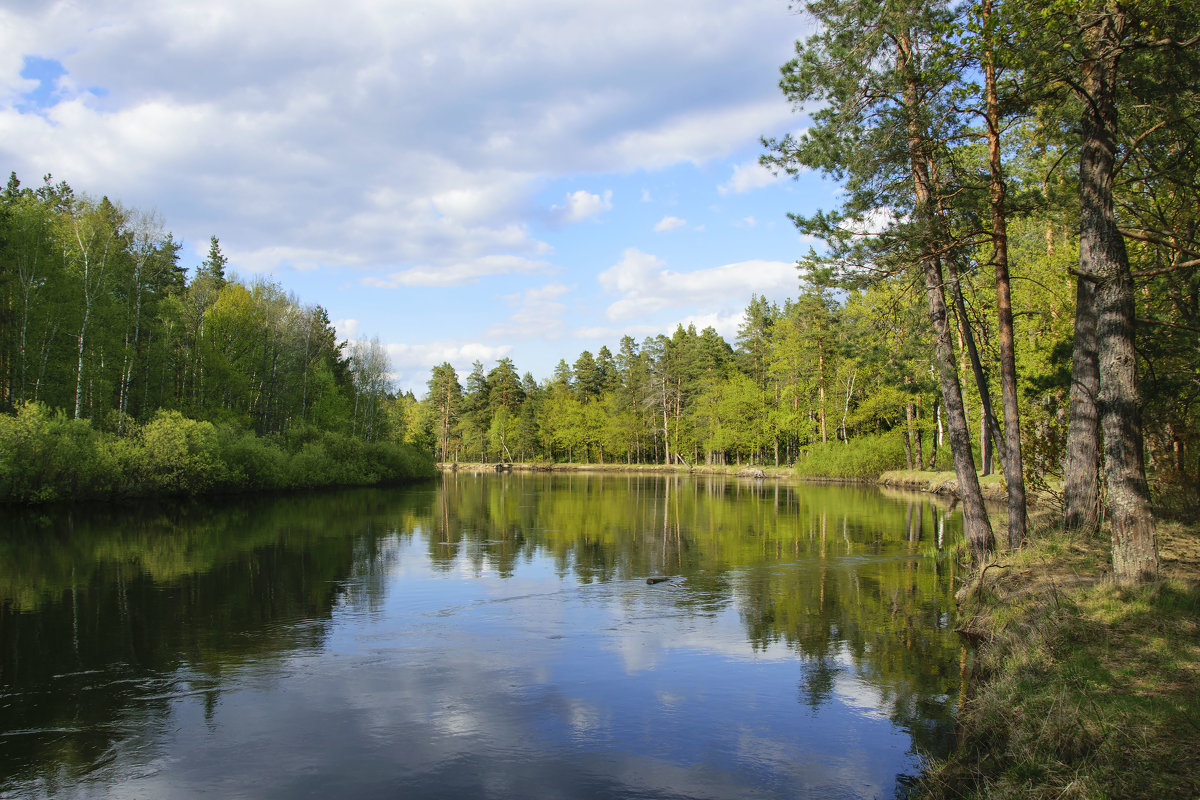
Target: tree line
<point x="101" y="326"/>
<point x="1013" y="267"/>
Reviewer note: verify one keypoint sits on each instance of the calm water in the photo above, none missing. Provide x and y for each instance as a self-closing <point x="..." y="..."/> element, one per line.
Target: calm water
<point x="485" y="636"/>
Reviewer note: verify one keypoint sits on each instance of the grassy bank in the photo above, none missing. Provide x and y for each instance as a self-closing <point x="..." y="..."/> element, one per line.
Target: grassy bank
<point x="46" y="457"/>
<point x="1082" y="689"/>
<point x="992" y="486"/>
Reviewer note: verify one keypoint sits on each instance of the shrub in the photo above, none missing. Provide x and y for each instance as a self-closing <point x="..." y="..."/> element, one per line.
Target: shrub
<point x="180" y="454"/>
<point x="45" y="456"/>
<point x="862" y="458"/>
<point x="251" y="462"/>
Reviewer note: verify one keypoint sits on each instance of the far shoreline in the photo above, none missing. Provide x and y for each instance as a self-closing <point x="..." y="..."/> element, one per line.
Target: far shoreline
<point x="943" y="483"/>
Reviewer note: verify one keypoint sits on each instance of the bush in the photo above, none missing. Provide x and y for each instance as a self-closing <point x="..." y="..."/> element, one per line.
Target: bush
<point x="45" y="456"/>
<point x="251" y="462"/>
<point x="180" y="454"/>
<point x="862" y="458"/>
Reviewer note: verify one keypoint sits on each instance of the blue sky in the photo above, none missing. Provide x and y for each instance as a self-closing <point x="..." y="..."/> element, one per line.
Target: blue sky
<point x="463" y="180"/>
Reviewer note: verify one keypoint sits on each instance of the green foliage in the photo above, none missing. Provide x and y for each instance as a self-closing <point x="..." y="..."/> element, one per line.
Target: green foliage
<point x="179" y="455"/>
<point x="252" y="462"/>
<point x="862" y="458"/>
<point x="45" y="456"/>
<point x="184" y="382"/>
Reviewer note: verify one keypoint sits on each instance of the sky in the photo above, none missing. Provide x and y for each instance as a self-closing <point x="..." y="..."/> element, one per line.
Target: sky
<point x="464" y="180"/>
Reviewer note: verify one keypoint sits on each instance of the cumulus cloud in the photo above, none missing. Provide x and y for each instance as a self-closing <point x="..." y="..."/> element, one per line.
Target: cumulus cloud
<point x="459" y="354"/>
<point x="346" y="328"/>
<point x="725" y="323"/>
<point x="695" y="136"/>
<point x="645" y="286"/>
<point x="538" y="314"/>
<point x="748" y="176"/>
<point x="581" y="205"/>
<point x="872" y="223"/>
<point x="458" y="273"/>
<point x="284" y="125"/>
<point x="410" y="142"/>
<point x="669" y="224"/>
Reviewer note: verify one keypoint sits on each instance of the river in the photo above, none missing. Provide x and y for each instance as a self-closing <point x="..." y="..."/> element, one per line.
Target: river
<point x="487" y="636"/>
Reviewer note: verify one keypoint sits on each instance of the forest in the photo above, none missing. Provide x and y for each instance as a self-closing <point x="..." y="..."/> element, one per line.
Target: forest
<point x="122" y="377"/>
<point x="1010" y="282"/>
<point x="1009" y="285"/>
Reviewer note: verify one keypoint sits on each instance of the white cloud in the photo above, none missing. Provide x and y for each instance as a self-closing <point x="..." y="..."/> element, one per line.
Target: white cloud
<point x="725" y="323"/>
<point x="611" y="333"/>
<point x="458" y="273"/>
<point x="347" y="329"/>
<point x="581" y="205"/>
<point x="646" y="287"/>
<point x="748" y="176"/>
<point x="412" y="363"/>
<point x="696" y="136"/>
<point x="539" y="314"/>
<point x="282" y="126"/>
<point x="410" y="142"/>
<point x="458" y="354"/>
<point x="873" y="223"/>
<point x="669" y="224"/>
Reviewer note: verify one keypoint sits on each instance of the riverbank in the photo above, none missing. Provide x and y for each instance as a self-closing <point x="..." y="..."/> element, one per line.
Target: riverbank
<point x="1082" y="688"/>
<point x="945" y="483"/>
<point x="732" y="470"/>
<point x="941" y="483"/>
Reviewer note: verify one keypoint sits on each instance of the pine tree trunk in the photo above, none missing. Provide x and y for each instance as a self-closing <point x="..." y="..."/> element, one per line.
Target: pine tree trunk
<point x="1014" y="474"/>
<point x="976" y="525"/>
<point x="989" y="429"/>
<point x="1081" y="477"/>
<point x="1102" y="255"/>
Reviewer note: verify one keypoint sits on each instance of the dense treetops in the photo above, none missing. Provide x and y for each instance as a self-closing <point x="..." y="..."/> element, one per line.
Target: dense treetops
<point x="112" y="360"/>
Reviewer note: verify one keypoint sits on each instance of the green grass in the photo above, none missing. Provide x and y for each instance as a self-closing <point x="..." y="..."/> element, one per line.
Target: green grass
<point x="1083" y="688"/>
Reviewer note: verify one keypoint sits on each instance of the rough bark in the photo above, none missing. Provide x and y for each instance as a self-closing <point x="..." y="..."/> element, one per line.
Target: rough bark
<point x="1081" y="476"/>
<point x="1102" y="257"/>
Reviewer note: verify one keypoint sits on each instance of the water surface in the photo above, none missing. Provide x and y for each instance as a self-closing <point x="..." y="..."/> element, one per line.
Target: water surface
<point x="484" y="636"/>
